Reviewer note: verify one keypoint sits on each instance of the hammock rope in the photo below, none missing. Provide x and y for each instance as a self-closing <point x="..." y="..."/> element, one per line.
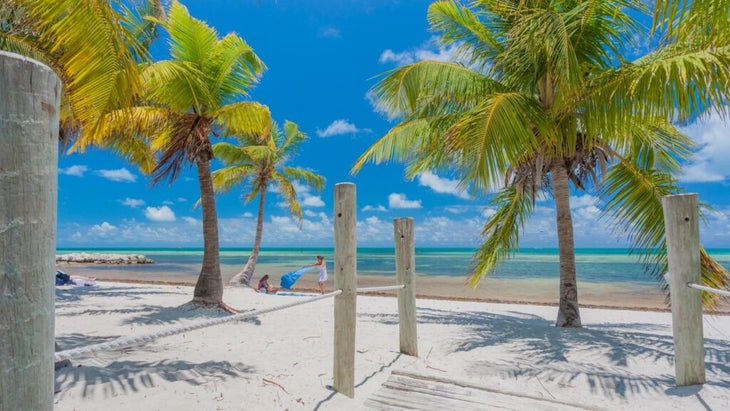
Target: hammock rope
<point x="123" y="342"/>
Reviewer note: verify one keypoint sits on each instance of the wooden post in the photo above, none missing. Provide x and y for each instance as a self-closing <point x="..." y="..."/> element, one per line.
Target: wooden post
<point x="681" y="219"/>
<point x="345" y="280"/>
<point x="405" y="273"/>
<point x="29" y="107"/>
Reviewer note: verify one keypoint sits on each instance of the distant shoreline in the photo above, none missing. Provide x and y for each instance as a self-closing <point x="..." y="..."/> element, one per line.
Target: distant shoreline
<point x="631" y="296"/>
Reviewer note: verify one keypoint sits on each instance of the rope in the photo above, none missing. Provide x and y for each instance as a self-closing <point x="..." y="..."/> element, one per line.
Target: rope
<point x="708" y="289"/>
<point x="383" y="288"/>
<point x="122" y="342"/>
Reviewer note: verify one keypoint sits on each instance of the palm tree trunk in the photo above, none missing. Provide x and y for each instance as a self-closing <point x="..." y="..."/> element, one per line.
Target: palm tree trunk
<point x="244" y="276"/>
<point x="568" y="314"/>
<point x="209" y="288"/>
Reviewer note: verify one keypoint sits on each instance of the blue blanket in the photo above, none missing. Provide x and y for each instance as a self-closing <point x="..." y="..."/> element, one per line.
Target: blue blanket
<point x="288" y="279"/>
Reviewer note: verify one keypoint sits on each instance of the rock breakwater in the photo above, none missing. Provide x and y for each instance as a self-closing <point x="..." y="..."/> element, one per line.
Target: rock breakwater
<point x="101" y="258"/>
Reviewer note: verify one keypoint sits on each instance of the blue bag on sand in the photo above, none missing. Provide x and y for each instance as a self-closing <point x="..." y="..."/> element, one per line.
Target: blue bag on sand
<point x="288" y="279"/>
<point x="62" y="278"/>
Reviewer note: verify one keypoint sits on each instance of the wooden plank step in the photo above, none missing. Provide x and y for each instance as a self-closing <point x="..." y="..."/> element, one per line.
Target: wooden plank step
<point x="412" y="391"/>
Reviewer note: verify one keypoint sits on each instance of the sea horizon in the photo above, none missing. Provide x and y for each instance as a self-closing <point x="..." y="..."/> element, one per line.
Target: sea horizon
<point x="598" y="265"/>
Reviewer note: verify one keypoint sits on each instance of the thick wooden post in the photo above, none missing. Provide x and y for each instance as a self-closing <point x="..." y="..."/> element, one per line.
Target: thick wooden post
<point x="345" y="280"/>
<point x="29" y="107"/>
<point x="681" y="219"/>
<point x="405" y="273"/>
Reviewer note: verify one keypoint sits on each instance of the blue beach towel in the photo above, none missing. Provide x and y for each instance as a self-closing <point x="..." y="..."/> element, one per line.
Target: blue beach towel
<point x="288" y="279"/>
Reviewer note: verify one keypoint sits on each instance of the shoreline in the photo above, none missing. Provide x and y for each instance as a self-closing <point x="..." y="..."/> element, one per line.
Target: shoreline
<point x="540" y="292"/>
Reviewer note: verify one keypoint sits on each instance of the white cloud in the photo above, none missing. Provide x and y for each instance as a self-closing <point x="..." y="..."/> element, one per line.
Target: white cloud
<point x="102" y="229"/>
<point x="429" y="50"/>
<point x="374" y="208"/>
<point x="191" y="220"/>
<point x="168" y="202"/>
<point x="311" y="201"/>
<point x="133" y="202"/>
<point x="441" y="185"/>
<point x="330" y="32"/>
<point x="397" y="200"/>
<point x="583" y="201"/>
<point x="709" y="163"/>
<point x="121" y="175"/>
<point x="181" y="199"/>
<point x="339" y="127"/>
<point x="77" y="171"/>
<point x="163" y="213"/>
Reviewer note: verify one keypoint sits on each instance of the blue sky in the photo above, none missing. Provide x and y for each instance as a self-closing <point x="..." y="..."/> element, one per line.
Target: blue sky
<point x="322" y="57"/>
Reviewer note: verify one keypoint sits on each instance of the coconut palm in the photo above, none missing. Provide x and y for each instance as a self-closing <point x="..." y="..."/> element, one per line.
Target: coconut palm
<point x="260" y="160"/>
<point x="195" y="95"/>
<point x="94" y="46"/>
<point x="544" y="97"/>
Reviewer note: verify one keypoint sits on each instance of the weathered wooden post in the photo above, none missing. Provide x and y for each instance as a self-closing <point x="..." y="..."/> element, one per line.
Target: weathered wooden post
<point x="405" y="273"/>
<point x="681" y="219"/>
<point x="29" y="107"/>
<point x="345" y="280"/>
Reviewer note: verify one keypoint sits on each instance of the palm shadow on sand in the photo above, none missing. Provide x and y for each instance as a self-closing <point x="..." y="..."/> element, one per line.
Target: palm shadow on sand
<point x="535" y="348"/>
<point x="122" y="377"/>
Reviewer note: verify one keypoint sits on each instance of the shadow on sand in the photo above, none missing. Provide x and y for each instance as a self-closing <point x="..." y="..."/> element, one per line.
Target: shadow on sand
<point x="538" y="349"/>
<point x="121" y="377"/>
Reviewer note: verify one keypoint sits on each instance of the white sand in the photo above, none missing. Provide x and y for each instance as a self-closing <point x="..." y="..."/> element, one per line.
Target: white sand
<point x="620" y="360"/>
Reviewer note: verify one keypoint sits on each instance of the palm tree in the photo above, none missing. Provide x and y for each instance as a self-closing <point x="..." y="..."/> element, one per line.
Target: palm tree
<point x="545" y="96"/>
<point x="95" y="47"/>
<point x="260" y="159"/>
<point x="196" y="95"/>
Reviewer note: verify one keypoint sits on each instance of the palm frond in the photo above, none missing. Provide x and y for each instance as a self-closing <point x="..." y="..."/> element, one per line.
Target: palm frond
<point x="228" y="177"/>
<point x="460" y="26"/>
<point x="481" y="153"/>
<point x="309" y="177"/>
<point x="234" y="67"/>
<point x="633" y="193"/>
<point x="501" y="232"/>
<point x="245" y="117"/>
<point x="191" y="40"/>
<point x="289" y="193"/>
<point x="446" y="85"/>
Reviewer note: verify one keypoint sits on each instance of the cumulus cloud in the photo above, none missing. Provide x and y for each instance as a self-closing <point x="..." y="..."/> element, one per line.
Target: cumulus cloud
<point x="709" y="163"/>
<point x="121" y="175"/>
<point x="441" y="185"/>
<point x="339" y="127"/>
<point x="76" y="171"/>
<point x="311" y="201"/>
<point x="429" y="50"/>
<point x="374" y="208"/>
<point x="191" y="220"/>
<point x="163" y="213"/>
<point x="133" y="202"/>
<point x="399" y="201"/>
<point x="102" y="229"/>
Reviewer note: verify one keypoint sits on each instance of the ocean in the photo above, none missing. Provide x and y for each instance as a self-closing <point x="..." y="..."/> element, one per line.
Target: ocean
<point x="596" y="265"/>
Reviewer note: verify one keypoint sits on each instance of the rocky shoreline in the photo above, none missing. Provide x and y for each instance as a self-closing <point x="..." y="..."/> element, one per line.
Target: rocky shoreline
<point x="87" y="258"/>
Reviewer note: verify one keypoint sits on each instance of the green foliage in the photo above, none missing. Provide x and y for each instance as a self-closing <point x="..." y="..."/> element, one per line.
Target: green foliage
<point x="259" y="158"/>
<point x="537" y="84"/>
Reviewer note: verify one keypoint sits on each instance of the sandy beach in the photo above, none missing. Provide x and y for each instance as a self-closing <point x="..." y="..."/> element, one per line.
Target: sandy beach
<point x="543" y="291"/>
<point x="621" y="359"/>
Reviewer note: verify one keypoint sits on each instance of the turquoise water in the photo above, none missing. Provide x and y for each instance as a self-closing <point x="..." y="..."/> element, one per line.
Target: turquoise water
<point x="600" y="265"/>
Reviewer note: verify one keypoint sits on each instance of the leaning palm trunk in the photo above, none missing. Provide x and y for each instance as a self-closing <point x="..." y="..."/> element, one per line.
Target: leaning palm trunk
<point x="568" y="314"/>
<point x="209" y="288"/>
<point x="245" y="275"/>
